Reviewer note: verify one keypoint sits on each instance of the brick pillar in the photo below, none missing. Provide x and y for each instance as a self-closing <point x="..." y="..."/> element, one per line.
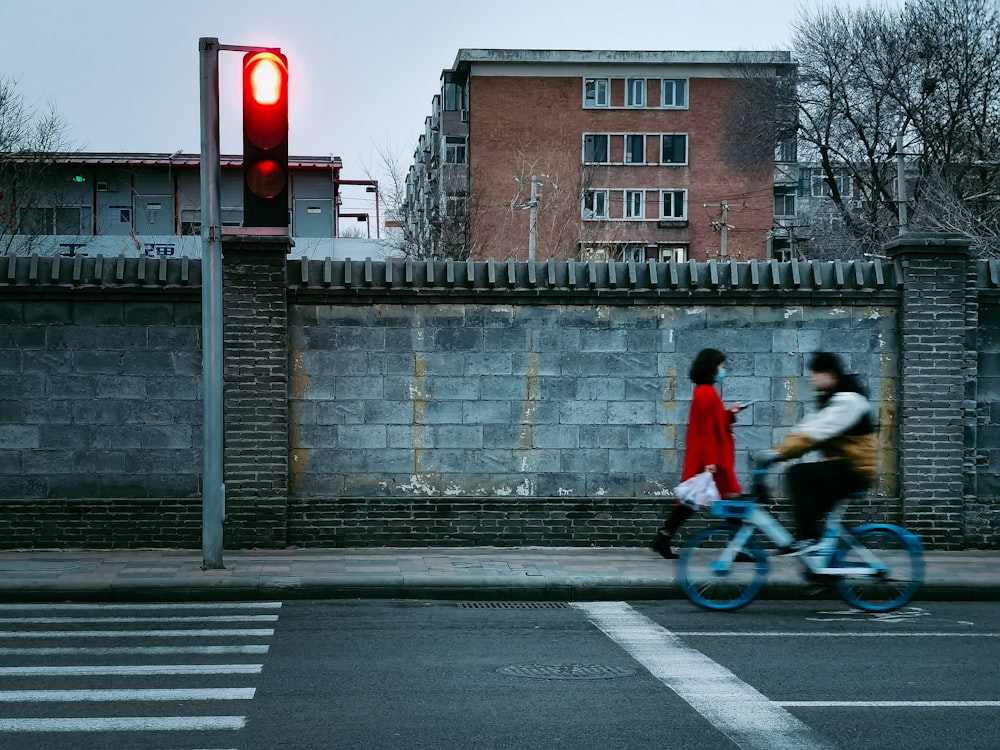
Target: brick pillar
<point x="255" y="372"/>
<point x="932" y="384"/>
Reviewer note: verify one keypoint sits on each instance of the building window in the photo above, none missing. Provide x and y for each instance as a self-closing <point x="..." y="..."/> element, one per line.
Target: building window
<point x="595" y="148"/>
<point x="821" y="188"/>
<point x="595" y="204"/>
<point x="675" y="253"/>
<point x="456" y="205"/>
<point x="74" y="220"/>
<point x="595" y="92"/>
<point x="635" y="92"/>
<point x="120" y="214"/>
<point x="454" y="94"/>
<point x="673" y="204"/>
<point x="784" y="202"/>
<point x="454" y="149"/>
<point x="786" y="149"/>
<point x="190" y="222"/>
<point x="674" y="93"/>
<point x="635" y="149"/>
<point x="632" y="252"/>
<point x="635" y="204"/>
<point x="674" y="150"/>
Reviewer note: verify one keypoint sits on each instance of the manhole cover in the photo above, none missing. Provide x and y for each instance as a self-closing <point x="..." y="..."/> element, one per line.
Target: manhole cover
<point x="513" y="605"/>
<point x="38" y="565"/>
<point x="566" y="671"/>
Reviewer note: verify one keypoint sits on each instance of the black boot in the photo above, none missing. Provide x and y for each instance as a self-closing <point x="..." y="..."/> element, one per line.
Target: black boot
<point x="662" y="545"/>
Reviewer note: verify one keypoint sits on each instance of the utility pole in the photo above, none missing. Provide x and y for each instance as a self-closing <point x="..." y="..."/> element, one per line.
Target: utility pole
<point x="533" y="218"/>
<point x="722" y="227"/>
<point x="901" y="186"/>
<point x="532" y="204"/>
<point x="724" y="250"/>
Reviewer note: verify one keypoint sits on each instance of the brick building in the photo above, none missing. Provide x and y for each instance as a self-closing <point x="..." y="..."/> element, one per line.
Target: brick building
<point x="599" y="154"/>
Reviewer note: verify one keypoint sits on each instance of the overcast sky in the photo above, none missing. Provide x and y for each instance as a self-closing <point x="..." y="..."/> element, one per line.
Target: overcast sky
<point x="125" y="73"/>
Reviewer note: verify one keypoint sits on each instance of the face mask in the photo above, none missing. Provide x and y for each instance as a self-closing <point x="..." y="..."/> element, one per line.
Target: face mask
<point x="721" y="374"/>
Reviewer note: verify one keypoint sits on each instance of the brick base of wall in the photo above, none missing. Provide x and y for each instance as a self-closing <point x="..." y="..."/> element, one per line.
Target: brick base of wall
<point x="502" y="522"/>
<point x="371" y="522"/>
<point x="101" y="524"/>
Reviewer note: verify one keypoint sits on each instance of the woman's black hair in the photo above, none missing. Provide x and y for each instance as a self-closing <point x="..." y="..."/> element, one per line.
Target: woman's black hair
<point x="706" y="364"/>
<point x="826" y="362"/>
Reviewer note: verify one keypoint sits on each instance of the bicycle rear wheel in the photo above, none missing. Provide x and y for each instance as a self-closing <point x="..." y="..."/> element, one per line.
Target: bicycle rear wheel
<point x="895" y="578"/>
<point x="713" y="584"/>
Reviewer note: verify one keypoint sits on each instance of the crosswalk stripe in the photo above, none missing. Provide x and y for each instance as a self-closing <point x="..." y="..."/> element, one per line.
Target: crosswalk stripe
<point x="70" y="606"/>
<point x="119" y="620"/>
<point x="888" y="704"/>
<point x="207" y="633"/>
<point x="134" y="650"/>
<point x="131" y="669"/>
<point x="172" y="694"/>
<point x="125" y="724"/>
<point x="219" y="623"/>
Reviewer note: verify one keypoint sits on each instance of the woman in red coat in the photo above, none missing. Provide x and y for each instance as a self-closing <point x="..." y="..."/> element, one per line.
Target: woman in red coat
<point x="709" y="442"/>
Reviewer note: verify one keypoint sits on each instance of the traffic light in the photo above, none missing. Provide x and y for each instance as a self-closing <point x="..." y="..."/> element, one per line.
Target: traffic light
<point x="265" y="139"/>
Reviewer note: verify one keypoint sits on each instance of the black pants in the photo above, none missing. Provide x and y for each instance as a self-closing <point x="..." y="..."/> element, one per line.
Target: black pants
<point x="676" y="519"/>
<point x="815" y="488"/>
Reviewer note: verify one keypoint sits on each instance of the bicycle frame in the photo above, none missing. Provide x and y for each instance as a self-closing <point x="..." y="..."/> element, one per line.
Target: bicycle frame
<point x="755" y="518"/>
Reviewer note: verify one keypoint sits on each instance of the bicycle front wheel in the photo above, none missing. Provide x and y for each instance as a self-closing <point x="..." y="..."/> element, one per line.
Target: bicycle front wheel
<point x="885" y="571"/>
<point x="712" y="581"/>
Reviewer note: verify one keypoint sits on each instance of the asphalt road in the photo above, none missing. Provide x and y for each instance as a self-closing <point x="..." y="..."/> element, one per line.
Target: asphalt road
<point x="455" y="675"/>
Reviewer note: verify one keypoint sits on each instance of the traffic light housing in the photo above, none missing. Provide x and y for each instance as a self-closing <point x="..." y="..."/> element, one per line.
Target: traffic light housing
<point x="265" y="139"/>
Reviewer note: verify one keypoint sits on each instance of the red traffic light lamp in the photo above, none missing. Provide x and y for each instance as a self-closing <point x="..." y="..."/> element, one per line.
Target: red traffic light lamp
<point x="265" y="139"/>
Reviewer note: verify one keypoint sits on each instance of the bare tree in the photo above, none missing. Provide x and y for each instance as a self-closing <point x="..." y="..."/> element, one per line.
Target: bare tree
<point x="444" y="223"/>
<point x="33" y="141"/>
<point x="389" y="172"/>
<point x="928" y="73"/>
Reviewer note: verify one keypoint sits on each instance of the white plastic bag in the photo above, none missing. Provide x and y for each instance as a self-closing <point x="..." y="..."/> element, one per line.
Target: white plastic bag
<point x="698" y="492"/>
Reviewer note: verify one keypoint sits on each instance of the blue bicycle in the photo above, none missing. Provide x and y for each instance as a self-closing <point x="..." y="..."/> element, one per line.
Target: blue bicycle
<point x="876" y="567"/>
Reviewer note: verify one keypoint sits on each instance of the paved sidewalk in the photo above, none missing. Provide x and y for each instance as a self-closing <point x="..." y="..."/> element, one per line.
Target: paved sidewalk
<point x="476" y="573"/>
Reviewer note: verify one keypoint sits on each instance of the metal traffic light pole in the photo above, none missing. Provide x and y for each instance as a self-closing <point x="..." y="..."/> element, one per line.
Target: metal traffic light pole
<point x="213" y="484"/>
<point x="213" y="487"/>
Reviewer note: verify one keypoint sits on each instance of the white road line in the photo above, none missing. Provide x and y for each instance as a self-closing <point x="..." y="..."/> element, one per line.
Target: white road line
<point x="78" y="696"/>
<point x="824" y="634"/>
<point x="254" y="632"/>
<point x="141" y="606"/>
<point x="889" y="704"/>
<point x="120" y="620"/>
<point x="126" y="724"/>
<point x="732" y="706"/>
<point x="134" y="650"/>
<point x="131" y="669"/>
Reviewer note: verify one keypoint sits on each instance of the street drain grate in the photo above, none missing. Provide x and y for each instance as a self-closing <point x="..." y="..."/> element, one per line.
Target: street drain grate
<point x="513" y="605"/>
<point x="566" y="671"/>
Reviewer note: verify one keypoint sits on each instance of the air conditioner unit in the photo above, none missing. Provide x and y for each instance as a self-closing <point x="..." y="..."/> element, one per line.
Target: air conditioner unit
<point x="464" y="114"/>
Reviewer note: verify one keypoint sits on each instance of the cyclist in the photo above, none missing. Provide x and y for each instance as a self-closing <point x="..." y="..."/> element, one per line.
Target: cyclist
<point x="843" y="429"/>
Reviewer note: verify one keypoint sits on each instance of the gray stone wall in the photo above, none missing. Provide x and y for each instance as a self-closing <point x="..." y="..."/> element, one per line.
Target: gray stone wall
<point x="501" y="405"/>
<point x="100" y="399"/>
<point x="100" y="421"/>
<point x="472" y="403"/>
